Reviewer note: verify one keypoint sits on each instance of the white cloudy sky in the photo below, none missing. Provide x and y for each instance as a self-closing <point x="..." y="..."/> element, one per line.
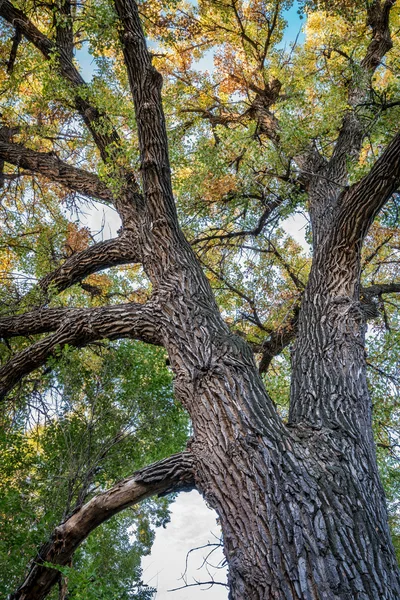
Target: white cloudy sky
<point x="192" y="525"/>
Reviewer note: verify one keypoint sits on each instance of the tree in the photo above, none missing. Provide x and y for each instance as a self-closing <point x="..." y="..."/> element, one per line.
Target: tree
<point x="102" y="417"/>
<point x="299" y="499"/>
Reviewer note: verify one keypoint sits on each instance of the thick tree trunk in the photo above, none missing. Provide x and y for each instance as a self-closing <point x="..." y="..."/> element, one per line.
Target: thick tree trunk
<point x="301" y="506"/>
<point x="304" y="519"/>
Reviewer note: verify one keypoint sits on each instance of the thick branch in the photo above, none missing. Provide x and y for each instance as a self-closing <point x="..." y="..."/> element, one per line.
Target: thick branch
<point x="173" y="474"/>
<point x="377" y="289"/>
<point x="75" y="327"/>
<point x="145" y="83"/>
<point x="100" y="256"/>
<point x="47" y="164"/>
<point x="110" y="253"/>
<point x="34" y="322"/>
<point x="381" y="42"/>
<point x="64" y="27"/>
<point x="361" y="203"/>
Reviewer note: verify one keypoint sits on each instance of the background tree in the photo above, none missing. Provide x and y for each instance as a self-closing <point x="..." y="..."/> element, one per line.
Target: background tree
<point x="101" y="416"/>
<point x="270" y="131"/>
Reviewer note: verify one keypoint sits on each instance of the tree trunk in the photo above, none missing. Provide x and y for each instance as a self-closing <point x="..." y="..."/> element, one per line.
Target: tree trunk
<point x="302" y="519"/>
<point x="302" y="510"/>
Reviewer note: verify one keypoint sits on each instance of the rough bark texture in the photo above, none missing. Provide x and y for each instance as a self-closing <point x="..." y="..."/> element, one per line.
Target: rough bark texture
<point x="301" y="507"/>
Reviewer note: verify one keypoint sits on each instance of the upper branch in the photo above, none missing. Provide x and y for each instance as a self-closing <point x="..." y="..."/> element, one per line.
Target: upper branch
<point x="353" y="129"/>
<point x="381" y="42"/>
<point x="361" y="203"/>
<point x="145" y="83"/>
<point x="47" y="164"/>
<point x="104" y="135"/>
<point x="64" y="28"/>
<point x="75" y="327"/>
<point x="172" y="474"/>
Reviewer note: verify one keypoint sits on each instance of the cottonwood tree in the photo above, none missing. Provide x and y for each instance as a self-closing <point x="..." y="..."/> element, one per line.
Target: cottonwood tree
<point x="299" y="499"/>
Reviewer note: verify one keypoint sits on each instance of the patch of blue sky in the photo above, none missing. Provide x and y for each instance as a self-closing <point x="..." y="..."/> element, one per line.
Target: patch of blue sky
<point x="86" y="62"/>
<point x="295" y="19"/>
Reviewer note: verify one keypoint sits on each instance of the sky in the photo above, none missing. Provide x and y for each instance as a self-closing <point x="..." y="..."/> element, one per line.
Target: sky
<point x="192" y="523"/>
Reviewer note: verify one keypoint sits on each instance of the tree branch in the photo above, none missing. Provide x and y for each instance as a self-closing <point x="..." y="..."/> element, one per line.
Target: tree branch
<point x="377" y="289"/>
<point x="64" y="27"/>
<point x="100" y="256"/>
<point x="361" y="203"/>
<point x="75" y="327"/>
<point x="97" y="122"/>
<point x="146" y="83"/>
<point x="14" y="49"/>
<point x="262" y="221"/>
<point x="279" y="340"/>
<point x="372" y="301"/>
<point x="172" y="474"/>
<point x="352" y="131"/>
<point x="47" y="164"/>
<point x="34" y="322"/>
